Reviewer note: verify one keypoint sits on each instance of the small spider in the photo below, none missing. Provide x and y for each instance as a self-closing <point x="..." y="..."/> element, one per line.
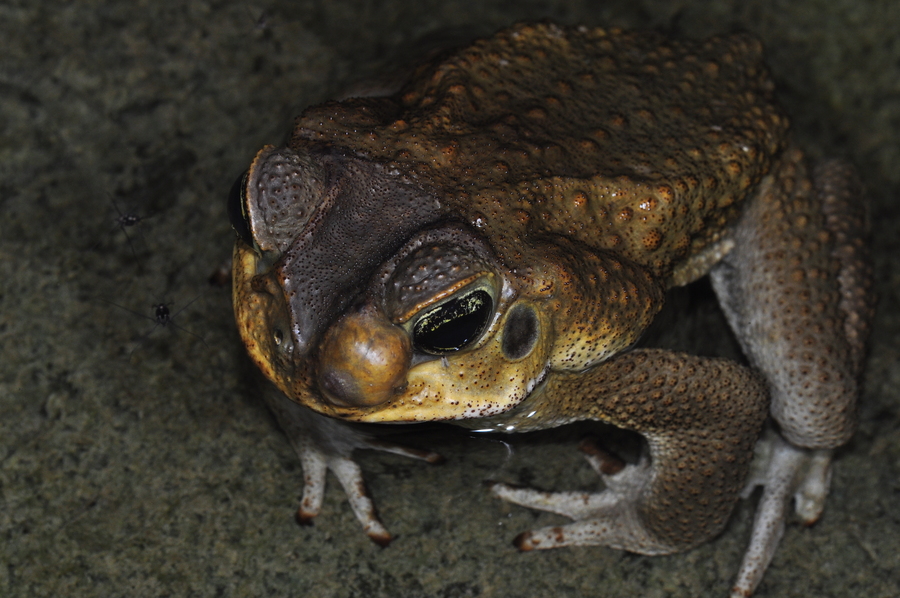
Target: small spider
<point x="124" y="221"/>
<point x="162" y="317"/>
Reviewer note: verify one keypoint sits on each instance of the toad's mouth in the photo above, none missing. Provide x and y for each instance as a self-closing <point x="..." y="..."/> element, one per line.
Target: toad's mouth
<point x="427" y="398"/>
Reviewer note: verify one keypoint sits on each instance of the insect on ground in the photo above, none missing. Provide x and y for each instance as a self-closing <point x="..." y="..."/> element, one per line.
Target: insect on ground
<point x="162" y="317"/>
<point x="124" y="220"/>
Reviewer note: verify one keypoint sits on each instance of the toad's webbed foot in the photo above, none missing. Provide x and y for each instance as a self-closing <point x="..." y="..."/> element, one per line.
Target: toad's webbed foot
<point x="608" y="518"/>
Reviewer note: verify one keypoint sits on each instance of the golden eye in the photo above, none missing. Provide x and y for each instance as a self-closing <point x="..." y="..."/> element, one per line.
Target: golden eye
<point x="454" y="324"/>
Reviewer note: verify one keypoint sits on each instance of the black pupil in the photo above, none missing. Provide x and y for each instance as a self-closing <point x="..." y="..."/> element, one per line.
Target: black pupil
<point x="454" y="324"/>
<point x="236" y="210"/>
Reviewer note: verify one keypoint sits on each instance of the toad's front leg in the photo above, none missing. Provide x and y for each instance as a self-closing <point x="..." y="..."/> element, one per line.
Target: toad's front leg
<point x="325" y="444"/>
<point x="701" y="418"/>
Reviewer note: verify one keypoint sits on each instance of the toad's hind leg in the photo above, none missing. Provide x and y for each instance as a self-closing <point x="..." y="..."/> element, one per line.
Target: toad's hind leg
<point x="797" y="291"/>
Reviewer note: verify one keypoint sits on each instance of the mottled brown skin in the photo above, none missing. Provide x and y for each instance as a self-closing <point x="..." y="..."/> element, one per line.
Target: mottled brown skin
<point x="668" y="396"/>
<point x="565" y="178"/>
<point x="791" y="274"/>
<point x="622" y="149"/>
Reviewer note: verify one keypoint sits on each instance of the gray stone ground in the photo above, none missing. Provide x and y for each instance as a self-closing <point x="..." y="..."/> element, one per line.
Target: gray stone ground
<point x="143" y="465"/>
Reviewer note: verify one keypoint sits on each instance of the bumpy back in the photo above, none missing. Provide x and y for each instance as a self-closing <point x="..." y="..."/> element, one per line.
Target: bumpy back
<point x="626" y="141"/>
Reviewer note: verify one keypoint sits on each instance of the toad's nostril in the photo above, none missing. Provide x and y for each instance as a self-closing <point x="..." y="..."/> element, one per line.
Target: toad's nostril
<point x="363" y="360"/>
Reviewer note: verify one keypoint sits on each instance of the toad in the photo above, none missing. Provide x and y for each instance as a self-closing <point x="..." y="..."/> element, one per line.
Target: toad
<point x="486" y="244"/>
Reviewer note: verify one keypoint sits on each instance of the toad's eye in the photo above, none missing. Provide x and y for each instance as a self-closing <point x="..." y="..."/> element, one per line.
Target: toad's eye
<point x="454" y="324"/>
<point x="237" y="209"/>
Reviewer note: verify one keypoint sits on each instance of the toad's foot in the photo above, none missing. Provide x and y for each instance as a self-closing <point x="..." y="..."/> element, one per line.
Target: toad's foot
<point x="784" y="471"/>
<point x="607" y="518"/>
<point x="316" y="462"/>
<point x="324" y="444"/>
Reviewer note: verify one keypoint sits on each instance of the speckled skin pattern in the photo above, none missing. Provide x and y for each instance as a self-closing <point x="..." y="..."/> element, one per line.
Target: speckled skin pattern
<point x="566" y="178"/>
<point x="793" y="281"/>
<point x="664" y="395"/>
<point x="621" y="149"/>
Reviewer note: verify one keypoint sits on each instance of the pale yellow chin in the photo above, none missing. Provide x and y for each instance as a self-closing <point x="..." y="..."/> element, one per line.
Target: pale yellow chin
<point x="432" y="402"/>
<point x="470" y="386"/>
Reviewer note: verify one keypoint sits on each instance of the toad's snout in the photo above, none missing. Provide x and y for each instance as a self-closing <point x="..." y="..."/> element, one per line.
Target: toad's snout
<point x="363" y="360"/>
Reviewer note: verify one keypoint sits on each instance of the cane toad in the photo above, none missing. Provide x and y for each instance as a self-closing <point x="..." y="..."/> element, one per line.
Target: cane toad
<point x="486" y="245"/>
